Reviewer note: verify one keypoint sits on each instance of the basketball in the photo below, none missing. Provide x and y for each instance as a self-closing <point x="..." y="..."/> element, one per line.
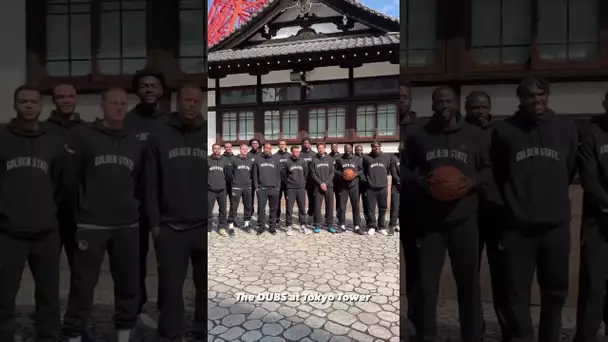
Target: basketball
<point x="350" y="174"/>
<point x="447" y="183"/>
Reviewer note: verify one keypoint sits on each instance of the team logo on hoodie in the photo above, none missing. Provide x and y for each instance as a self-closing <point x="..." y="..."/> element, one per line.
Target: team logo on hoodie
<point x="142" y="136"/>
<point x="187" y="152"/>
<point x="116" y="160"/>
<point x="603" y="149"/>
<point x="537" y="152"/>
<point x="445" y="153"/>
<point x="33" y="162"/>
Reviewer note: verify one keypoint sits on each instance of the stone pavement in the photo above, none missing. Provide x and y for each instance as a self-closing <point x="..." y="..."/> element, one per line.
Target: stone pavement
<point x="359" y="267"/>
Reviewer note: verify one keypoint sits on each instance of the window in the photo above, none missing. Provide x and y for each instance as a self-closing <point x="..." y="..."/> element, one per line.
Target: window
<point x="238" y="96"/>
<point x="237" y="126"/>
<point x="281" y="93"/>
<point x="71" y="37"/>
<point x="192" y="39"/>
<point x="418" y="25"/>
<point x="281" y="124"/>
<point x="377" y="86"/>
<point x="568" y="30"/>
<point x="327" y="123"/>
<point x="500" y="32"/>
<point x="377" y="121"/>
<point x="325" y="91"/>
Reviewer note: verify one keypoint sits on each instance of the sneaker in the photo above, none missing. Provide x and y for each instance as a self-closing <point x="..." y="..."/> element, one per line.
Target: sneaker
<point x="371" y="231"/>
<point x="359" y="231"/>
<point x="390" y="231"/>
<point x="397" y="228"/>
<point x="260" y="231"/>
<point x="247" y="224"/>
<point x="231" y="232"/>
<point x="230" y="225"/>
<point x="254" y="217"/>
<point x="304" y="230"/>
<point x="343" y="228"/>
<point x="383" y="232"/>
<point x="332" y="230"/>
<point x="272" y="231"/>
<point x="316" y="229"/>
<point x="289" y="231"/>
<point x="223" y="232"/>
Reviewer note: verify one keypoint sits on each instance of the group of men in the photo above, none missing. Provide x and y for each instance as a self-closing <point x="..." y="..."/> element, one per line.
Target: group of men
<point x="307" y="178"/>
<point x="518" y="209"/>
<point x="104" y="186"/>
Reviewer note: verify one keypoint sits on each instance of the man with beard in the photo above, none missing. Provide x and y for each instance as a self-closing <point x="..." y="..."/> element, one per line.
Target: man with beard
<point x="307" y="154"/>
<point x="33" y="157"/>
<point x="478" y="106"/>
<point x="359" y="151"/>
<point x="446" y="224"/>
<point x="283" y="156"/>
<point x="65" y="119"/>
<point x="141" y="121"/>
<point x="175" y="187"/>
<point x="253" y="154"/>
<point x="334" y="153"/>
<point x="534" y="154"/>
<point x="108" y="165"/>
<point x="217" y="179"/>
<point x="322" y="168"/>
<point x="593" y="271"/>
<point x="267" y="182"/>
<point x="376" y="166"/>
<point x="348" y="189"/>
<point x="294" y="175"/>
<point x="242" y="166"/>
<point x="228" y="155"/>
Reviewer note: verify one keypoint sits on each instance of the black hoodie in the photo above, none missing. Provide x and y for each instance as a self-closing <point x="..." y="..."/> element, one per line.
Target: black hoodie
<point x="307" y="155"/>
<point x="242" y="168"/>
<point x="460" y="146"/>
<point x="31" y="179"/>
<point x="344" y="162"/>
<point x="266" y="172"/>
<point x="109" y="167"/>
<point x="295" y="173"/>
<point x="375" y="170"/>
<point x="229" y="157"/>
<point x="176" y="174"/>
<point x="395" y="171"/>
<point x="594" y="167"/>
<point x="253" y="154"/>
<point x="142" y="120"/>
<point x="219" y="167"/>
<point x="534" y="165"/>
<point x="322" y="169"/>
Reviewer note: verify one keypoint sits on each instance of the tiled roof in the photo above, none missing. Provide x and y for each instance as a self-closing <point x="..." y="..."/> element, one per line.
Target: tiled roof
<point x="268" y="4"/>
<point x="313" y="45"/>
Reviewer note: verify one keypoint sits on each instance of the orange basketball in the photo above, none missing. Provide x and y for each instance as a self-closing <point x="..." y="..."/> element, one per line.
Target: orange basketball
<point x="350" y="174"/>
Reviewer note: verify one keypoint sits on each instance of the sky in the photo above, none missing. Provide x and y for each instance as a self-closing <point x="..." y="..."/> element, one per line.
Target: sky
<point x="390" y="7"/>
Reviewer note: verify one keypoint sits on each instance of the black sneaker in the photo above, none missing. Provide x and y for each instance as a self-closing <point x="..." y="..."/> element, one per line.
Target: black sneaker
<point x="272" y="231"/>
<point x="231" y="232"/>
<point x="360" y="231"/>
<point x="390" y="231"/>
<point x="260" y="231"/>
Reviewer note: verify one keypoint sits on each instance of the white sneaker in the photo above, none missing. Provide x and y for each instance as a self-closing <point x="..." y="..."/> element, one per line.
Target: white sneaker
<point x="230" y="225"/>
<point x="343" y="228"/>
<point x="383" y="232"/>
<point x="304" y="230"/>
<point x="289" y="231"/>
<point x="371" y="231"/>
<point x="123" y="335"/>
<point x="397" y="228"/>
<point x="247" y="224"/>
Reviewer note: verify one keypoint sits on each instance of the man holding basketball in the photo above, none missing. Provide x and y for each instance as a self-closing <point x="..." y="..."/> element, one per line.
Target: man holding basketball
<point x="348" y="168"/>
<point x="450" y="163"/>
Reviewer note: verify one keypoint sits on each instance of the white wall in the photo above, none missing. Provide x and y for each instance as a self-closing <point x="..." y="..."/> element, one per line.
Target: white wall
<point x="13" y="56"/>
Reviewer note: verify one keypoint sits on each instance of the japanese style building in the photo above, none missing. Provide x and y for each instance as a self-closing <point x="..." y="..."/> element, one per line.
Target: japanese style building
<point x="324" y="69"/>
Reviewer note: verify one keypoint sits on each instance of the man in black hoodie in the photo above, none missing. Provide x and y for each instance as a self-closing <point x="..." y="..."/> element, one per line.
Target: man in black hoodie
<point x="534" y="154"/>
<point x="254" y="153"/>
<point x="108" y="169"/>
<point x="176" y="186"/>
<point x="478" y="106"/>
<point x="266" y="182"/>
<point x="447" y="140"/>
<point x="228" y="155"/>
<point x="242" y="167"/>
<point x="149" y="86"/>
<point x="376" y="167"/>
<point x="594" y="251"/>
<point x="348" y="189"/>
<point x="322" y="169"/>
<point x="307" y="154"/>
<point x="283" y="156"/>
<point x="218" y="176"/>
<point x="395" y="170"/>
<point x="33" y="159"/>
<point x="65" y="119"/>
<point x="294" y="175"/>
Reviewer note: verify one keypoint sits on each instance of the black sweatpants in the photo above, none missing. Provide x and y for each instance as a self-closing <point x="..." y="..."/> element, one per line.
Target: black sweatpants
<point x="310" y="196"/>
<point x="412" y="271"/>
<point x="220" y="198"/>
<point x="296" y="196"/>
<point x="344" y="194"/>
<point x="376" y="198"/>
<point x="489" y="239"/>
<point x="394" y="209"/>
<point x="144" y="247"/>
<point x="237" y="195"/>
<point x="364" y="203"/>
<point x="67" y="229"/>
<point x="122" y="247"/>
<point x="460" y="240"/>
<point x="42" y="255"/>
<point x="545" y="248"/>
<point x="176" y="248"/>
<point x="593" y="276"/>
<point x="268" y="196"/>
<point x="328" y="196"/>
<point x="282" y="194"/>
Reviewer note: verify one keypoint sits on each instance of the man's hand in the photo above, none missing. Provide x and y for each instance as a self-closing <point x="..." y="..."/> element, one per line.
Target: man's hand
<point x="155" y="230"/>
<point x="257" y="190"/>
<point x="324" y="187"/>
